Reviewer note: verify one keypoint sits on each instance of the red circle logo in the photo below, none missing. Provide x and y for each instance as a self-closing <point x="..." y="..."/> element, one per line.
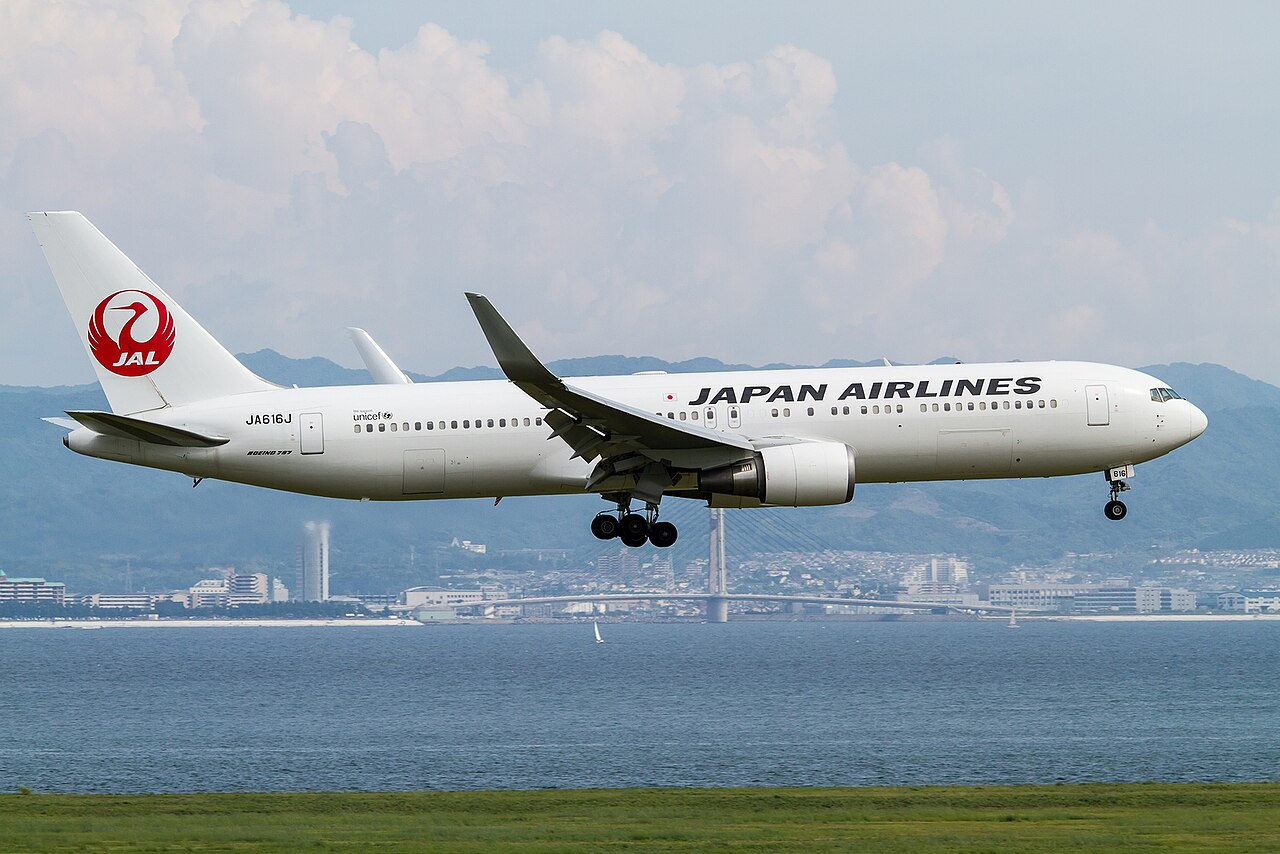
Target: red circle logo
<point x="131" y="333"/>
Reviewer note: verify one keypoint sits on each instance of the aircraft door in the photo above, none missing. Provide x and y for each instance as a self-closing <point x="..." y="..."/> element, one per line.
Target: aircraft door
<point x="424" y="472"/>
<point x="710" y="421"/>
<point x="735" y="417"/>
<point x="312" y="433"/>
<point x="1097" y="405"/>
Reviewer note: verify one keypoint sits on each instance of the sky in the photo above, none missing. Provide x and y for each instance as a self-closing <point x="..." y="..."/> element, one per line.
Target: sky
<point x="756" y="183"/>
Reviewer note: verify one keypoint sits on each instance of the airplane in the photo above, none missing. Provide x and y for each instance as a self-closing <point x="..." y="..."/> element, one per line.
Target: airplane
<point x="776" y="438"/>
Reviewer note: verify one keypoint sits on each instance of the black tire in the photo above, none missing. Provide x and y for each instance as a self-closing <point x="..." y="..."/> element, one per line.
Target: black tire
<point x="663" y="534"/>
<point x="604" y="526"/>
<point x="634" y="525"/>
<point x="1115" y="510"/>
<point x="635" y="541"/>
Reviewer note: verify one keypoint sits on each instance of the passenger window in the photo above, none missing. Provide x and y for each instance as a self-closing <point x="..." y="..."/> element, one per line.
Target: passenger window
<point x="671" y="416"/>
<point x="453" y="425"/>
<point x="810" y="411"/>
<point x="1017" y="404"/>
<point x="537" y="421"/>
<point x="502" y="422"/>
<point x="899" y="408"/>
<point x="924" y="407"/>
<point x="1053" y="404"/>
<point x="1006" y="404"/>
<point x="490" y="422"/>
<point x="466" y="425"/>
<point x="775" y="413"/>
<point x="875" y="410"/>
<point x="683" y="416"/>
<point x="430" y="425"/>
<point x="1040" y="404"/>
<point x="393" y="426"/>
<point x="417" y="426"/>
<point x="935" y="407"/>
<point x="368" y="428"/>
<point x="846" y="410"/>
<point x="864" y="410"/>
<point x="946" y="407"/>
<point x="835" y="411"/>
<point x="982" y="404"/>
<point x="786" y="412"/>
<point x="357" y="428"/>
<point x="405" y="426"/>
<point x="693" y="416"/>
<point x="382" y="428"/>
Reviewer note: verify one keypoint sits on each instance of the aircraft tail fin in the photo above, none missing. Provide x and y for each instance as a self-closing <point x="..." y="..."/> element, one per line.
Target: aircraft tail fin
<point x="147" y="351"/>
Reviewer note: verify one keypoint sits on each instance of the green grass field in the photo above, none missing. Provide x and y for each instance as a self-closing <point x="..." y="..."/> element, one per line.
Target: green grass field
<point x="1138" y="817"/>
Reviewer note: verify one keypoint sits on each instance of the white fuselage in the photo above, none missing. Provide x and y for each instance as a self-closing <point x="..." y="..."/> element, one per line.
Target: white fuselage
<point x="477" y="439"/>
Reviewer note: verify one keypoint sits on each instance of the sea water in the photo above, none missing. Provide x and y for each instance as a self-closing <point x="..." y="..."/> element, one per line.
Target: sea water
<point x="544" y="706"/>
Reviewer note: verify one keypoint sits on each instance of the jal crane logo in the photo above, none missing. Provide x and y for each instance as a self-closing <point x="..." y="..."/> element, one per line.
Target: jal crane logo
<point x="123" y="353"/>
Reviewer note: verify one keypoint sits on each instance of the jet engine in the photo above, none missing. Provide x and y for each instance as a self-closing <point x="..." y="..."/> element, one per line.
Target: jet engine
<point x="804" y="474"/>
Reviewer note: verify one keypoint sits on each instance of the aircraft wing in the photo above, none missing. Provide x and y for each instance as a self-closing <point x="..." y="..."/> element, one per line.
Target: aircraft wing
<point x="596" y="426"/>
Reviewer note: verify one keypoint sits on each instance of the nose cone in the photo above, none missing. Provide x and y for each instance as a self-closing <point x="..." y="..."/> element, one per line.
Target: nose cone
<point x="1198" y="422"/>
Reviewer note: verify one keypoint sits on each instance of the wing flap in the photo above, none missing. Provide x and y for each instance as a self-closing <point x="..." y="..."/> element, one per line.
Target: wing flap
<point x="124" y="427"/>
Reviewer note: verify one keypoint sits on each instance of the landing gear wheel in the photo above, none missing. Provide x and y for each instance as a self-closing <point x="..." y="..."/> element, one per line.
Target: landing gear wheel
<point x="663" y="534"/>
<point x="1115" y="510"/>
<point x="634" y="525"/>
<point x="605" y="526"/>
<point x="635" y="541"/>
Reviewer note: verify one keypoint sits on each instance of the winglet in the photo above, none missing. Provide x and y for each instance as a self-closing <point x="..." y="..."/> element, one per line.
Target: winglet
<point x="514" y="357"/>
<point x="381" y="368"/>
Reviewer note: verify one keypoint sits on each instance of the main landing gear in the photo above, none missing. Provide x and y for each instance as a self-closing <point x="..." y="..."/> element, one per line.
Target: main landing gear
<point x="634" y="529"/>
<point x="1115" y="510"/>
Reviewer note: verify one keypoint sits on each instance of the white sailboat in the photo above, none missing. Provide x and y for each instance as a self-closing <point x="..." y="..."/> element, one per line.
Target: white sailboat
<point x="1013" y="619"/>
<point x="596" y="625"/>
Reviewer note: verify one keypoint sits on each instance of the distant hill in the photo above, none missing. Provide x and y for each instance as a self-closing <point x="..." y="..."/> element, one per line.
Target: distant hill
<point x="90" y="522"/>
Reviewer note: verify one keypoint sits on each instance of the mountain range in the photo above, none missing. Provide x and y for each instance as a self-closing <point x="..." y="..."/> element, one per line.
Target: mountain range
<point x="99" y="525"/>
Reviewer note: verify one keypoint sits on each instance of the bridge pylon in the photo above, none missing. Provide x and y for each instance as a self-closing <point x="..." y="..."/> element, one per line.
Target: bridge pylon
<point x="717" y="608"/>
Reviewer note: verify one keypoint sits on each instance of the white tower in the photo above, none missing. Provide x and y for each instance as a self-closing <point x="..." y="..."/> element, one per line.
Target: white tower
<point x="313" y="580"/>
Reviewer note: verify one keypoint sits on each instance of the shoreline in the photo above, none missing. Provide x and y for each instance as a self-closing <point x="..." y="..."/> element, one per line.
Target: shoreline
<point x="397" y="622"/>
<point x="202" y="624"/>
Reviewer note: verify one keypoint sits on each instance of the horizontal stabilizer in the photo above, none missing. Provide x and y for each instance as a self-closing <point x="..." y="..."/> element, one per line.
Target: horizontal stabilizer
<point x="381" y="368"/>
<point x="124" y="427"/>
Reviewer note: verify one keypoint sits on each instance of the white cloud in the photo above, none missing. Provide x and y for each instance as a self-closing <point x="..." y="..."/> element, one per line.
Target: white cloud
<point x="285" y="183"/>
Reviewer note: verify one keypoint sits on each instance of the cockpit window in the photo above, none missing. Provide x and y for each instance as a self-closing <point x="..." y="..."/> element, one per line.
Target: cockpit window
<point x="1160" y="395"/>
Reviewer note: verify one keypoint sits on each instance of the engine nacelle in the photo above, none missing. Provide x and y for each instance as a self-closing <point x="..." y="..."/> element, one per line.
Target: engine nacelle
<point x="804" y="474"/>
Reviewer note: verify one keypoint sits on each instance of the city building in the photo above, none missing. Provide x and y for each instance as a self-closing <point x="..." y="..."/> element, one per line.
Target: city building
<point x="1261" y="601"/>
<point x="208" y="593"/>
<point x="1036" y="597"/>
<point x="624" y="562"/>
<point x="31" y="590"/>
<point x="437" y="597"/>
<point x="313" y="564"/>
<point x="1229" y="601"/>
<point x="1134" y="600"/>
<point x="133" y="601"/>
<point x="940" y="574"/>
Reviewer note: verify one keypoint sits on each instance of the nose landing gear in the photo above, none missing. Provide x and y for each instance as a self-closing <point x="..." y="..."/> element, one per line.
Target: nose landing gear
<point x="1115" y="509"/>
<point x="634" y="529"/>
